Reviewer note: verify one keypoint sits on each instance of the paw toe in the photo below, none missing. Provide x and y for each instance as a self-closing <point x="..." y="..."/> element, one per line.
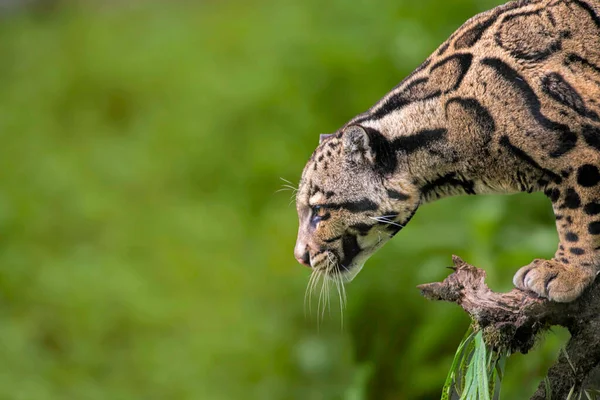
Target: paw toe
<point x="552" y="280"/>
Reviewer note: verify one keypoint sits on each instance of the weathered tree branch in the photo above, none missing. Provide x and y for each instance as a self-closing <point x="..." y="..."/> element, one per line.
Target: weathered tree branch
<point x="515" y="319"/>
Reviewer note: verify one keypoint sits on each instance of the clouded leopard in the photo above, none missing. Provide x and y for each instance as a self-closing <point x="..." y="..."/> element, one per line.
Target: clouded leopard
<point x="509" y="103"/>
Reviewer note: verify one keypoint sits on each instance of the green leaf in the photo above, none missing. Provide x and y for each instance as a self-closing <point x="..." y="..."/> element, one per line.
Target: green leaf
<point x="454" y="375"/>
<point x="476" y="372"/>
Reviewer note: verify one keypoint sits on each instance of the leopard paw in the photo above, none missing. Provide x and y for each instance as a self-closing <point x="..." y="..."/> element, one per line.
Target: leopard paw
<point x="553" y="280"/>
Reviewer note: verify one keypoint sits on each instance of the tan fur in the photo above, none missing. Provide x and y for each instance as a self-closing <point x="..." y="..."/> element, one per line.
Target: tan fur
<point x="509" y="103"/>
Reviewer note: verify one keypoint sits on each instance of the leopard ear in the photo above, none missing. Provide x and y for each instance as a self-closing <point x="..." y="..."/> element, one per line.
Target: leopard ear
<point x="324" y="136"/>
<point x="357" y="144"/>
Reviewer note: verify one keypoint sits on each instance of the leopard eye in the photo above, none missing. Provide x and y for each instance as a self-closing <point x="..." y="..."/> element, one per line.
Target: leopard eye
<point x="315" y="216"/>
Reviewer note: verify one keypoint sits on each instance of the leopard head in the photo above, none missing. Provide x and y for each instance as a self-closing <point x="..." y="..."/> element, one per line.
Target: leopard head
<point x="352" y="198"/>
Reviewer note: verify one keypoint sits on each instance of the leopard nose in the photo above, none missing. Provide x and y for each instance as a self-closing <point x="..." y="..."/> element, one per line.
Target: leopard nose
<point x="301" y="253"/>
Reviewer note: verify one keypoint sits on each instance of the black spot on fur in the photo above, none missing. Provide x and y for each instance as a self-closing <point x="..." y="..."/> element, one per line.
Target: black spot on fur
<point x="414" y="91"/>
<point x="549" y="278"/>
<point x="571" y="237"/>
<point x="588" y="175"/>
<point x="472" y="35"/>
<point x="517" y="152"/>
<point x="577" y="251"/>
<point x="333" y="239"/>
<point x="448" y="180"/>
<point x="567" y="139"/>
<point x="393" y="194"/>
<point x="419" y="140"/>
<point x="591" y="135"/>
<point x="454" y="66"/>
<point x="572" y="199"/>
<point x="443" y="48"/>
<point x="553" y="194"/>
<point x="590" y="11"/>
<point x="363" y="229"/>
<point x="592" y="208"/>
<point x="565" y="173"/>
<point x="594" y="228"/>
<point x="479" y="113"/>
<point x="569" y="219"/>
<point x="584" y="67"/>
<point x="564" y="261"/>
<point x="560" y="90"/>
<point x="350" y="248"/>
<point x="551" y="17"/>
<point x="523" y="47"/>
<point x="463" y="63"/>
<point x="386" y="152"/>
<point x="573" y="58"/>
<point x="385" y="156"/>
<point x="353" y="206"/>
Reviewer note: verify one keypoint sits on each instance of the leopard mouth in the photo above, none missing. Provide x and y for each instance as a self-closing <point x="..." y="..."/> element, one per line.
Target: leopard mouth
<point x="329" y="265"/>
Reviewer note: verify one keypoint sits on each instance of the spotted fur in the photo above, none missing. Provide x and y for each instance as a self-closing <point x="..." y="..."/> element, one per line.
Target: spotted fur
<point x="509" y="103"/>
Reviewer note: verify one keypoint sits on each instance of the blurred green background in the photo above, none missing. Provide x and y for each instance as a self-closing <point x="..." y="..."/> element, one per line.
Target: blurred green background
<point x="144" y="251"/>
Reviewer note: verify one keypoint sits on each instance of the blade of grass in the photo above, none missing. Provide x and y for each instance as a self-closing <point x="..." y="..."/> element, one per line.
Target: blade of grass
<point x="548" y="389"/>
<point x="481" y="370"/>
<point x="470" y="392"/>
<point x="465" y="363"/>
<point x="453" y="376"/>
<point x="570" y="395"/>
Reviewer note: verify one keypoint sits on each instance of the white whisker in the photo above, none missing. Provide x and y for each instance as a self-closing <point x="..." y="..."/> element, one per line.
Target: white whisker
<point x="328" y="275"/>
<point x="312" y="289"/>
<point x="308" y="292"/>
<point x="343" y="291"/>
<point x="286" y="181"/>
<point x="328" y="296"/>
<point x="384" y="219"/>
<point x="288" y="186"/>
<point x="321" y="304"/>
<point x="338" y="283"/>
<point x="324" y="292"/>
<point x="336" y="277"/>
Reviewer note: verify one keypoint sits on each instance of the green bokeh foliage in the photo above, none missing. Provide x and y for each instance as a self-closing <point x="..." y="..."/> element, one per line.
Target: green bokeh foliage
<point x="144" y="252"/>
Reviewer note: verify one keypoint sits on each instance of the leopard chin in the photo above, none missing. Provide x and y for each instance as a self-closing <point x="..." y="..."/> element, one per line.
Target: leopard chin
<point x="347" y="274"/>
